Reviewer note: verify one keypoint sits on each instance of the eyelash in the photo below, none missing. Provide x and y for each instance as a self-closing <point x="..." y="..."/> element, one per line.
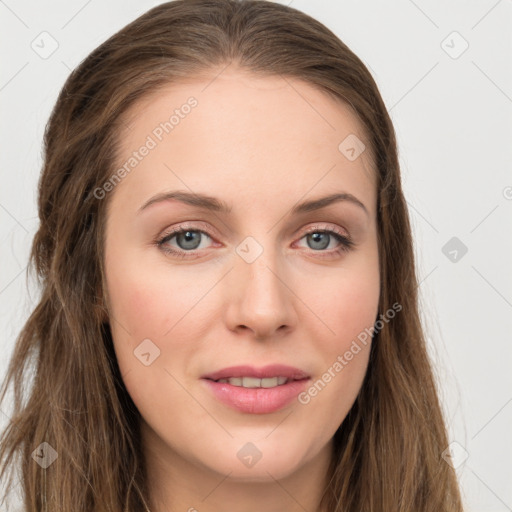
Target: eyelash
<point x="346" y="243"/>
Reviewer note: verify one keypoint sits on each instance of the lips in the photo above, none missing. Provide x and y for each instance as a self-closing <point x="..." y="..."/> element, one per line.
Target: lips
<point x="270" y="371"/>
<point x="227" y="386"/>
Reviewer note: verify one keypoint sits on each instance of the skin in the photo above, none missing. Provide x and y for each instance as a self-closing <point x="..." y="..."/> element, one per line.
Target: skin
<point x="261" y="145"/>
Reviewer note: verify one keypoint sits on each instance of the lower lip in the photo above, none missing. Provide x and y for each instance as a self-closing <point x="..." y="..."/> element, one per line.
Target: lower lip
<point x="256" y="400"/>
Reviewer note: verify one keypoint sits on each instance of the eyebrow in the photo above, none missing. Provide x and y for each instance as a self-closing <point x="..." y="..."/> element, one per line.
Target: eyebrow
<point x="217" y="205"/>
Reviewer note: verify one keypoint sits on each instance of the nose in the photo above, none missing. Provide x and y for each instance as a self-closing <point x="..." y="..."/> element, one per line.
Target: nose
<point x="260" y="298"/>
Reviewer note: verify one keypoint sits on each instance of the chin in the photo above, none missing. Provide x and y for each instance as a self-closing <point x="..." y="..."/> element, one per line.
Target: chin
<point x="267" y="471"/>
<point x="258" y="461"/>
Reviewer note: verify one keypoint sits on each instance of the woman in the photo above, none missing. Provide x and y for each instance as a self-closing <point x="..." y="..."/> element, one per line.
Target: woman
<point x="229" y="310"/>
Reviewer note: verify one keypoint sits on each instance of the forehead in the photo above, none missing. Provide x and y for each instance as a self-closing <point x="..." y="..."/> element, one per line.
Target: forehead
<point x="270" y="133"/>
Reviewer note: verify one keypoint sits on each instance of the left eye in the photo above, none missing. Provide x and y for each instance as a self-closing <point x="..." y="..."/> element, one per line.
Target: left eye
<point x="319" y="240"/>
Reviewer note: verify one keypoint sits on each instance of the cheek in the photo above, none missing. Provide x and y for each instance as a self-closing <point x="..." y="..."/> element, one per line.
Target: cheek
<point x="153" y="302"/>
<point x="350" y="312"/>
<point x="145" y="306"/>
<point x="355" y="308"/>
<point x="348" y="305"/>
<point x="149" y="301"/>
<point x="346" y="302"/>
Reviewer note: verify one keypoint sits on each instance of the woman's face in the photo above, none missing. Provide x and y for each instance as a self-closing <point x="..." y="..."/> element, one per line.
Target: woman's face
<point x="255" y="284"/>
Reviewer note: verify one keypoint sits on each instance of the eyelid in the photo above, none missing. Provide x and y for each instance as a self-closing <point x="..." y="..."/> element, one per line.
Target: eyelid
<point x="199" y="226"/>
<point x="329" y="227"/>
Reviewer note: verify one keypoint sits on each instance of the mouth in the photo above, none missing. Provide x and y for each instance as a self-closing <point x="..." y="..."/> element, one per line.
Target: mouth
<point x="256" y="391"/>
<point x="247" y="372"/>
<point x="253" y="382"/>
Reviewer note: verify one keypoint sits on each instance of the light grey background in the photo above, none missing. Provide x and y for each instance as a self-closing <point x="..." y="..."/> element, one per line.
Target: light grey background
<point x="452" y="111"/>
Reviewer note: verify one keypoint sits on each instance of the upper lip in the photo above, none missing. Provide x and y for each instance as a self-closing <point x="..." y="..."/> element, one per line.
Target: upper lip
<point x="273" y="370"/>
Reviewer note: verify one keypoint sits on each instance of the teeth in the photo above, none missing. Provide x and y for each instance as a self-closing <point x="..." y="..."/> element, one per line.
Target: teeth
<point x="252" y="382"/>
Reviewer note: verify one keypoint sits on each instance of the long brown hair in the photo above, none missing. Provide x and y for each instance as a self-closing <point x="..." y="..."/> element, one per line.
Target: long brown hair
<point x="387" y="452"/>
